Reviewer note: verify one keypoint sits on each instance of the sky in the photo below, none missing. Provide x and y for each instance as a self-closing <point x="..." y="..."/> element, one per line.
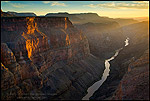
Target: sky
<point x="112" y="9"/>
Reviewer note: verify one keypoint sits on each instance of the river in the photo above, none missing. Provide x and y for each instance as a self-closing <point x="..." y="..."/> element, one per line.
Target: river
<point x="97" y="84"/>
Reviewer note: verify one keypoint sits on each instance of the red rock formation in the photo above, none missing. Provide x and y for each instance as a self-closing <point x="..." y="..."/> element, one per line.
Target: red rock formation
<point x="36" y="47"/>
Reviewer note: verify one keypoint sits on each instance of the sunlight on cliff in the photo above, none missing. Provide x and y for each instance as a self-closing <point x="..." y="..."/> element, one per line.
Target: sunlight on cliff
<point x="32" y="44"/>
<point x="67" y="40"/>
<point x="65" y="23"/>
<point x="4" y="67"/>
<point x="11" y="54"/>
<point x="32" y="29"/>
<point x="29" y="48"/>
<point x="30" y="25"/>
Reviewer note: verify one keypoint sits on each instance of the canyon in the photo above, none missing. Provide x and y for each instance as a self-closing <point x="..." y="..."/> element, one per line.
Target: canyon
<point x="43" y="60"/>
<point x="138" y="34"/>
<point x="52" y="57"/>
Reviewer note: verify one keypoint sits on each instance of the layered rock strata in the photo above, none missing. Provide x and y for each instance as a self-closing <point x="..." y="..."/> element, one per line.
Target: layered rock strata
<point x="45" y="58"/>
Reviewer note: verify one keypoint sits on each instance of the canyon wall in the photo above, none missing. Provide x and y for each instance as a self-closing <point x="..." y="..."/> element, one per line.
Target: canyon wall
<point x="45" y="58"/>
<point x="138" y="44"/>
<point x="104" y="34"/>
<point x="135" y="83"/>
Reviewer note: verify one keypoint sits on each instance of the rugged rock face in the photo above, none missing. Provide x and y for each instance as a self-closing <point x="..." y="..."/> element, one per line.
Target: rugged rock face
<point x="104" y="34"/>
<point x="135" y="83"/>
<point x="45" y="58"/>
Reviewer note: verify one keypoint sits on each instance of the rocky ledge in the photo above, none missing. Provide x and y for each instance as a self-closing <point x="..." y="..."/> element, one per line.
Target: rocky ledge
<point x="45" y="58"/>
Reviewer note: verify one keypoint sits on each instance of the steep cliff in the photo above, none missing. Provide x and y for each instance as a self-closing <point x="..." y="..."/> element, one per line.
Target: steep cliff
<point x="104" y="34"/>
<point x="45" y="58"/>
<point x="135" y="83"/>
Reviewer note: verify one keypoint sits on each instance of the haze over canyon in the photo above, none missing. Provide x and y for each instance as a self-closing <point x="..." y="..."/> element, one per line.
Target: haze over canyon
<point x="73" y="56"/>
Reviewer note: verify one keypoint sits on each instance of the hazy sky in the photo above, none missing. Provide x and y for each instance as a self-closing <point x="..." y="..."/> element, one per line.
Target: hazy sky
<point x="113" y="9"/>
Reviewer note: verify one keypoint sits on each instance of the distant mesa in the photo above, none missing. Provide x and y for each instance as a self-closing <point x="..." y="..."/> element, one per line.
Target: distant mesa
<point x="75" y="18"/>
<point x="12" y="14"/>
<point x="74" y="14"/>
<point x="5" y="14"/>
<point x="21" y="14"/>
<point x="82" y="18"/>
